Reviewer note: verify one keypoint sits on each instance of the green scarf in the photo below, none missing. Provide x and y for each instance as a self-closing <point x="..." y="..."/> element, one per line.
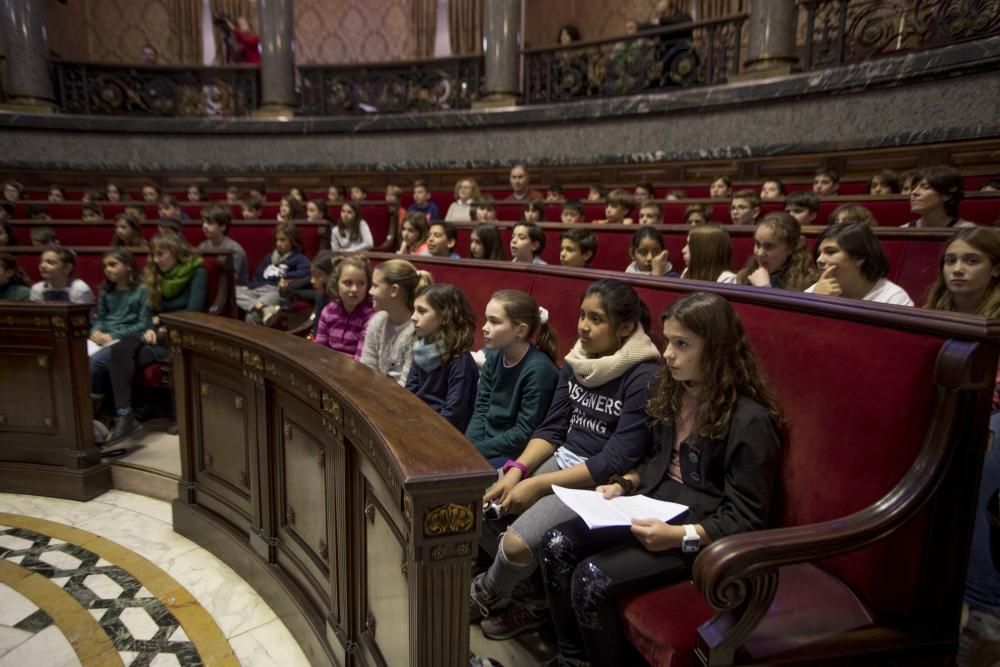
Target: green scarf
<point x="177" y="278"/>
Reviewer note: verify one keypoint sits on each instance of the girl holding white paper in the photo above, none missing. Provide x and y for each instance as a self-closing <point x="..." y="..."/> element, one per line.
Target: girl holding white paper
<point x="715" y="449"/>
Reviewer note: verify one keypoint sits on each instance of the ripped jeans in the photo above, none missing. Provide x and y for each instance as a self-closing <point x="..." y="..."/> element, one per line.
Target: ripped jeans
<point x="586" y="571"/>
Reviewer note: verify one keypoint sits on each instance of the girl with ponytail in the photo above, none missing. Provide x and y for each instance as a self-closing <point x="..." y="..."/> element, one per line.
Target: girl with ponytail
<point x="780" y="256"/>
<point x="518" y="380"/>
<point x="388" y="342"/>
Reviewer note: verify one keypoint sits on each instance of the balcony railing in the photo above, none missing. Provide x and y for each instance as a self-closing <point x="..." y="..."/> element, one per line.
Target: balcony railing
<point x="847" y="31"/>
<point x="438" y="84"/>
<point x="690" y="54"/>
<point x="155" y="90"/>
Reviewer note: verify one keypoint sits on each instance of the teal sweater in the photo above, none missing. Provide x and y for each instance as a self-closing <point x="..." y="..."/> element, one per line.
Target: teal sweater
<point x="14" y="292"/>
<point x="511" y="402"/>
<point x="122" y="313"/>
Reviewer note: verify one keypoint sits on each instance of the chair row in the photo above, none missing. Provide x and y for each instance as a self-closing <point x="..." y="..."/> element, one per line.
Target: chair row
<point x="887" y="421"/>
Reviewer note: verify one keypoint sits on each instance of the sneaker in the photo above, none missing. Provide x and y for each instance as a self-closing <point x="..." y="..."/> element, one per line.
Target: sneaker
<point x="481" y="601"/>
<point x="482" y="661"/>
<point x="270" y="315"/>
<point x="125" y="426"/>
<point x="516" y="618"/>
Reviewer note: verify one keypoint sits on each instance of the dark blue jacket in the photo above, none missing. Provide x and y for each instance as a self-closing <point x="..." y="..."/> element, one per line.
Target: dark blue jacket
<point x="449" y="389"/>
<point x="296" y="266"/>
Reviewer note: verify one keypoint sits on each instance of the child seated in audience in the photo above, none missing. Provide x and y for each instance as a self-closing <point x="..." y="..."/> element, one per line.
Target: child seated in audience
<point x="572" y="212"/>
<point x="414" y="234"/>
<point x="39" y="212"/>
<point x="648" y="255"/>
<point x="298" y="194"/>
<point x="441" y="239"/>
<point x="113" y="193"/>
<point x="122" y="311"/>
<point x="618" y="206"/>
<point x="14" y="282"/>
<point x="708" y="255"/>
<point x="577" y="247"/>
<point x="43" y="236"/>
<point x="597" y="193"/>
<point x="853" y="265"/>
<point x="486" y="209"/>
<point x="215" y="222"/>
<point x="907" y="180"/>
<point x="643" y="192"/>
<point x="56" y="266"/>
<point x="12" y="191"/>
<point x="935" y="197"/>
<point x="233" y="195"/>
<point x="697" y="214"/>
<point x="344" y="319"/>
<point x="316" y="211"/>
<point x="150" y="194"/>
<point x="286" y="262"/>
<point x="721" y="187"/>
<point x="744" y="208"/>
<point x="852" y="213"/>
<point x="422" y="201"/>
<point x="781" y="256"/>
<point x="443" y="373"/>
<point x="128" y="233"/>
<point x="826" y="181"/>
<point x="527" y="242"/>
<point x="533" y="211"/>
<point x="252" y="207"/>
<point x="388" y="339"/>
<point x="169" y="226"/>
<point x="715" y="449"/>
<point x="580" y="444"/>
<point x="335" y="195"/>
<point x="772" y="190"/>
<point x="518" y="378"/>
<point x="195" y="193"/>
<point x="137" y="211"/>
<point x="359" y="193"/>
<point x="91" y="213"/>
<point x="803" y="206"/>
<point x="485" y="242"/>
<point x="556" y="194"/>
<point x="56" y="195"/>
<point x="290" y="209"/>
<point x="676" y="195"/>
<point x="175" y="282"/>
<point x="968" y="278"/>
<point x="393" y="195"/>
<point x="258" y="191"/>
<point x="466" y="195"/>
<point x="884" y="182"/>
<point x="171" y="210"/>
<point x="319" y="275"/>
<point x="351" y="233"/>
<point x="92" y="196"/>
<point x="7" y="235"/>
<point x="650" y="213"/>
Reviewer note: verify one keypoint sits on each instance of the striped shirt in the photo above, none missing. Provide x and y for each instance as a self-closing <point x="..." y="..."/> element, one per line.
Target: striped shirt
<point x="343" y="331"/>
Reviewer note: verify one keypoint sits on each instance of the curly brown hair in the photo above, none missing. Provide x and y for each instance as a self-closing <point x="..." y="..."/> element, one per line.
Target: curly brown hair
<point x="458" y="323"/>
<point x="728" y="368"/>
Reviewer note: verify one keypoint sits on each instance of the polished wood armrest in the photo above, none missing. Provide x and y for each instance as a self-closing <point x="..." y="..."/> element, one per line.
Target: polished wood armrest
<point x="303" y="329"/>
<point x="223" y="304"/>
<point x="738" y="575"/>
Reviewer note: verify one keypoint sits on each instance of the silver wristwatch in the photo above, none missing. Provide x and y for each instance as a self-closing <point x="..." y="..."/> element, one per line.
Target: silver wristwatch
<point x="691" y="542"/>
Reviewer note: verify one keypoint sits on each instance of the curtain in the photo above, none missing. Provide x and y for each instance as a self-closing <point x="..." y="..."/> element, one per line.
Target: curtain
<point x="424" y="20"/>
<point x="235" y="9"/>
<point x="465" y="26"/>
<point x="185" y="30"/>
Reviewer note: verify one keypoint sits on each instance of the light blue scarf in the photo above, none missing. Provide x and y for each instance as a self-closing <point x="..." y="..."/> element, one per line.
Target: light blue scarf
<point x="427" y="355"/>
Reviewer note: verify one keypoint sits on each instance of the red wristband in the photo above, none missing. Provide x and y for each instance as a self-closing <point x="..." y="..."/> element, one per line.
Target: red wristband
<point x="511" y="463"/>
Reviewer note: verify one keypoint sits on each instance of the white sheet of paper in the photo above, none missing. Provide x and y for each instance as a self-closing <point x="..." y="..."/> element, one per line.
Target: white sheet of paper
<point x="597" y="512"/>
<point x="93" y="348"/>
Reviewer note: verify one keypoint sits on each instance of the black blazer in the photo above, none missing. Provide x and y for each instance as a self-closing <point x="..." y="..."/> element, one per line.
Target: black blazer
<point x="728" y="484"/>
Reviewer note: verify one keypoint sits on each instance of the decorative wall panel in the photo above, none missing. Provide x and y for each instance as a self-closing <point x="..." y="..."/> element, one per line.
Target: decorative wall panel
<point x="352" y="31"/>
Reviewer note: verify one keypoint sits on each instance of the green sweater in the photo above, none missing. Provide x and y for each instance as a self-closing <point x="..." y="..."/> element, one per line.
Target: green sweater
<point x="14" y="292"/>
<point x="511" y="402"/>
<point x="123" y="313"/>
<point x="190" y="299"/>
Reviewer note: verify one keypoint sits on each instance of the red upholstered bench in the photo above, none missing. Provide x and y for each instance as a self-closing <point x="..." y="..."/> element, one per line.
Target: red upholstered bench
<point x="887" y="411"/>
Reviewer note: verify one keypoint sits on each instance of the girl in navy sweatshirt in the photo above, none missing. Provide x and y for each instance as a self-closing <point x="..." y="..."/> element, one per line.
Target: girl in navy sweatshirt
<point x="443" y="372"/>
<point x="284" y="264"/>
<point x="595" y="428"/>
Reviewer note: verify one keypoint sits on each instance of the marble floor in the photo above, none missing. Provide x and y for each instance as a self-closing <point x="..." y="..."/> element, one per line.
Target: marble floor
<point x="108" y="582"/>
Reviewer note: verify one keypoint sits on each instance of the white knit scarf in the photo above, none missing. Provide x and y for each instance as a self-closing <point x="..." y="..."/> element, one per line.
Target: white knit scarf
<point x="593" y="372"/>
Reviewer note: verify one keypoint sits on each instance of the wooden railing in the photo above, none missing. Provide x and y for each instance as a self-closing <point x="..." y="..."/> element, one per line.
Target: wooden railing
<point x="342" y="498"/>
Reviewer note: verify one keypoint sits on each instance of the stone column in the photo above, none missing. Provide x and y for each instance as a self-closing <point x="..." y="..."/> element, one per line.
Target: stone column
<point x="277" y="58"/>
<point x="501" y="52"/>
<point x="772" y="26"/>
<point x="29" y="83"/>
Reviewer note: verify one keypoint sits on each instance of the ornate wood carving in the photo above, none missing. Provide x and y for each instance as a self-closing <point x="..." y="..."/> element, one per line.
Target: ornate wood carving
<point x="449" y="519"/>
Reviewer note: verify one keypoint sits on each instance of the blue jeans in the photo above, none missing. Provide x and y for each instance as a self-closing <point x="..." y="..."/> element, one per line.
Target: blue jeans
<point x="99" y="382"/>
<point x="982" y="586"/>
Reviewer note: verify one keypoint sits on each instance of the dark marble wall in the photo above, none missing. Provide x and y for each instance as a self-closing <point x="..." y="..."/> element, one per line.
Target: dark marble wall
<point x="942" y="95"/>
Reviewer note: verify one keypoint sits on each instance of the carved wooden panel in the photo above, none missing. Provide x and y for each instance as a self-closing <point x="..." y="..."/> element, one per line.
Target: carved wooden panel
<point x="386" y="612"/>
<point x="27" y="392"/>
<point x="223" y="436"/>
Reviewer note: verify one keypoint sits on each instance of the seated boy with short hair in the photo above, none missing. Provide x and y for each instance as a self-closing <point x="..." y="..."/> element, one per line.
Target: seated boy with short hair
<point x="422" y="201"/>
<point x="252" y="207"/>
<point x="215" y="221"/>
<point x="803" y="206"/>
<point x="744" y="208"/>
<point x="577" y="247"/>
<point x="650" y="213"/>
<point x="441" y="239"/>
<point x="572" y="212"/>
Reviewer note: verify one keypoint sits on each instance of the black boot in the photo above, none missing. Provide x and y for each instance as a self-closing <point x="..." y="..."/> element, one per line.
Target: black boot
<point x="125" y="426"/>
